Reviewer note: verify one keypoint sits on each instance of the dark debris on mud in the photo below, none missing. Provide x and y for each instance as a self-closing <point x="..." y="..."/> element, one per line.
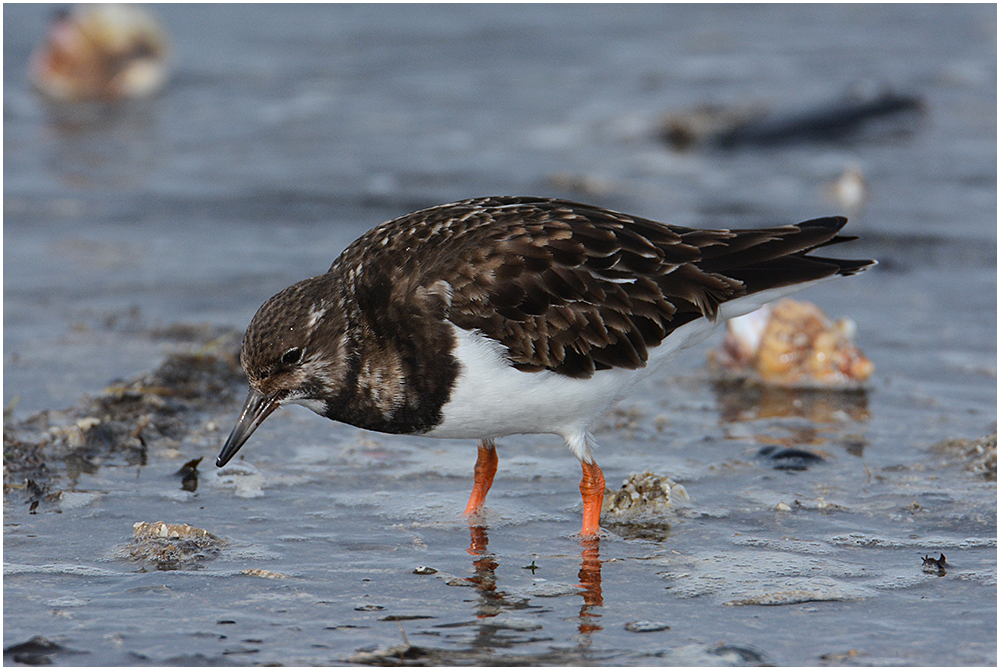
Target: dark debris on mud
<point x="406" y="654"/>
<point x="127" y="420"/>
<point x="37" y="651"/>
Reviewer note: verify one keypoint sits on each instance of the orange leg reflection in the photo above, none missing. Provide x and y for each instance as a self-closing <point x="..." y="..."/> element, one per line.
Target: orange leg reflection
<point x="590" y="580"/>
<point x="479" y="542"/>
<point x="485" y="578"/>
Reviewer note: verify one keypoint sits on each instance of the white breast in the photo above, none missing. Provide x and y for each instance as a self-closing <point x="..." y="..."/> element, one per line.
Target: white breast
<point x="493" y="399"/>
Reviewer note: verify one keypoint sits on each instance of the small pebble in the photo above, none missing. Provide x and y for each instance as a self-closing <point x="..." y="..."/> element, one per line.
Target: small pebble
<point x="260" y="572"/>
<point x="645" y="626"/>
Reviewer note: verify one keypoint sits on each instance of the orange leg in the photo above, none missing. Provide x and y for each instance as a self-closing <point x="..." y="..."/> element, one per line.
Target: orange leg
<point x="486" y="467"/>
<point x="592" y="490"/>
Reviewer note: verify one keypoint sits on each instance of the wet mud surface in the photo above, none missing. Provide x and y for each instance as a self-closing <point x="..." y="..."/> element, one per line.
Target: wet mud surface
<point x="354" y="542"/>
<point x="746" y="525"/>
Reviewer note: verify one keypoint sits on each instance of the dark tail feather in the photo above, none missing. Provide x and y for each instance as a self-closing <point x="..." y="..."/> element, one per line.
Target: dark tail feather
<point x="846" y="268"/>
<point x="757" y="245"/>
<point x="779" y="256"/>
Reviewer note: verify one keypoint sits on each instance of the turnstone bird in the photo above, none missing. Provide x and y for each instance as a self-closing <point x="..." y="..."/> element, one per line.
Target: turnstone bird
<point x="506" y="315"/>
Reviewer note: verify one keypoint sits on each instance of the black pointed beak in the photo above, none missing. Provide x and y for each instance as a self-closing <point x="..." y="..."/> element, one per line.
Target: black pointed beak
<point x="257" y="408"/>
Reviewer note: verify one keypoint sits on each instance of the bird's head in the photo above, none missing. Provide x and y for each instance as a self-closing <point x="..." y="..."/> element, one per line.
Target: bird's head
<point x="293" y="352"/>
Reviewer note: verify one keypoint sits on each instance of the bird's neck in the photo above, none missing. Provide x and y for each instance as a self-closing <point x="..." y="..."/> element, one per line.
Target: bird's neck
<point x="402" y="370"/>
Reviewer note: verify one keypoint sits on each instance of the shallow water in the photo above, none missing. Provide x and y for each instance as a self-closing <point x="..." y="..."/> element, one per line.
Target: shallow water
<point x="288" y="131"/>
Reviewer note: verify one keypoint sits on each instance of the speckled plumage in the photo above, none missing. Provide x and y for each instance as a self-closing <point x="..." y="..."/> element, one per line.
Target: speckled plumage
<point x="559" y="288"/>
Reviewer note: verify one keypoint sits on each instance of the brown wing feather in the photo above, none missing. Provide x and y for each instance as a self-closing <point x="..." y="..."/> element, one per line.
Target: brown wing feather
<point x="575" y="288"/>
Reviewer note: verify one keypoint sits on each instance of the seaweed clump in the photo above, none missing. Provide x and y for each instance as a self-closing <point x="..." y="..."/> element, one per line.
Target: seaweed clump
<point x="155" y="410"/>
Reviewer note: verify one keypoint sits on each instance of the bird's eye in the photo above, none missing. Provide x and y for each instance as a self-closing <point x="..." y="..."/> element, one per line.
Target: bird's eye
<point x="292" y="356"/>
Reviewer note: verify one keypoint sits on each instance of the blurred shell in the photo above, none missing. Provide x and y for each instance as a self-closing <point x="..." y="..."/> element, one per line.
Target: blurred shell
<point x="104" y="52"/>
<point x="793" y="343"/>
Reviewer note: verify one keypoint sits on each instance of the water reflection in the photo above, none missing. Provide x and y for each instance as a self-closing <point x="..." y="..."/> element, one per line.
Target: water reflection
<point x="590" y="580"/>
<point x="746" y="402"/>
<point x="484" y="574"/>
<point x="790" y="445"/>
<point x="97" y="146"/>
<point x="492" y="600"/>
